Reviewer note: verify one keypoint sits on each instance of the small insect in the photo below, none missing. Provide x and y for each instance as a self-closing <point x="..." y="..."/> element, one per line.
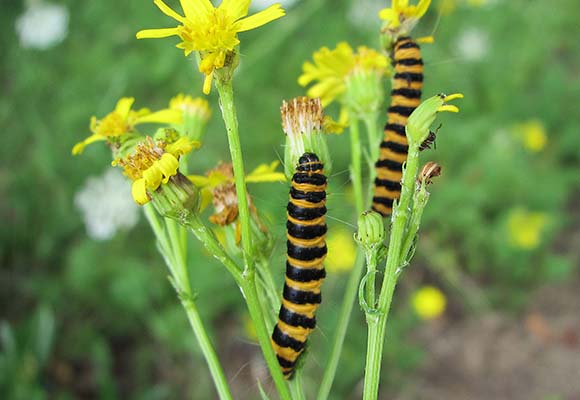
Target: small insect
<point x="431" y="140"/>
<point x="429" y="171"/>
<point x="405" y="98"/>
<point x="306" y="251"/>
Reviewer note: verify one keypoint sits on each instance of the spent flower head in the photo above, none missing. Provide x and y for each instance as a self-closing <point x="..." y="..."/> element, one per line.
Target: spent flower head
<point x="211" y="31"/>
<point x="302" y="121"/>
<point x="119" y="125"/>
<point x="155" y="163"/>
<point x="341" y="74"/>
<point x="401" y="17"/>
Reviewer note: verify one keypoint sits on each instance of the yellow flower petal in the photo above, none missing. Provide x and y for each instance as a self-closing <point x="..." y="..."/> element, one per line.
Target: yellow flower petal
<point x="207" y="83"/>
<point x="139" y="192"/>
<point x="199" y="180"/>
<point x="166" y="116"/>
<point x="157" y="33"/>
<point x="196" y="8"/>
<point x="262" y="18"/>
<point x="80" y="147"/>
<point x="152" y="176"/>
<point x="182" y="146"/>
<point x="124" y="106"/>
<point x="422" y="8"/>
<point x="235" y="8"/>
<point x="165" y="9"/>
<point x="168" y="165"/>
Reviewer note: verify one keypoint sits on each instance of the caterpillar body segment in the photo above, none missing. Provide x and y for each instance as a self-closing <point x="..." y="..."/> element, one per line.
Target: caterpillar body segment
<point x="306" y="251"/>
<point x="405" y="98"/>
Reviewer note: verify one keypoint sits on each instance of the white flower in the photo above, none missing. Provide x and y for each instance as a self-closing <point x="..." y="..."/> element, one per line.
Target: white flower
<point x="258" y="5"/>
<point x="364" y="14"/>
<point x="107" y="205"/>
<point x="472" y="44"/>
<point x="43" y="25"/>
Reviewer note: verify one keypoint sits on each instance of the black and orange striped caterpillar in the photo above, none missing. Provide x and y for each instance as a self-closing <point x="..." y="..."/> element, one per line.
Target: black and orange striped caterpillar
<point x="306" y="233"/>
<point x="405" y="98"/>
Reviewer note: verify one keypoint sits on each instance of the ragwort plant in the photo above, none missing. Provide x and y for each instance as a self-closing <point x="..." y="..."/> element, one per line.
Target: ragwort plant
<point x="173" y="200"/>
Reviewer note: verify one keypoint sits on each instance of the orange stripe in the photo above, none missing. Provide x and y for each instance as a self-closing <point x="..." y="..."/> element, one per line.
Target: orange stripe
<point x="307" y="187"/>
<point x="303" y="309"/>
<point x="383" y="173"/>
<point x="312" y="222"/>
<point x="296" y="332"/>
<point x="306" y="204"/>
<point x="387" y="154"/>
<point x="316" y="242"/>
<point x="312" y="286"/>
<point x="306" y="264"/>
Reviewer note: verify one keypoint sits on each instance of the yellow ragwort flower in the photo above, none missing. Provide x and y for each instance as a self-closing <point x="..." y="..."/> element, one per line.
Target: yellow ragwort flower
<point x="331" y="68"/>
<point x="189" y="106"/>
<point x="525" y="228"/>
<point x="429" y="302"/>
<point x="533" y="135"/>
<point x="403" y="17"/>
<point x="152" y="164"/>
<point x="122" y="121"/>
<point x="341" y="251"/>
<point x="211" y="31"/>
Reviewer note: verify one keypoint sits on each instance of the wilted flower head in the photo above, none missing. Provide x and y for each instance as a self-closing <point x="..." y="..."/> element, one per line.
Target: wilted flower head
<point x="211" y="31"/>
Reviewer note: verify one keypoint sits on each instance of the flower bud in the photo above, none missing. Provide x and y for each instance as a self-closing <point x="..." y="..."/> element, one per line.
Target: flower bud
<point x="176" y="199"/>
<point x="423" y="117"/>
<point x="371" y="230"/>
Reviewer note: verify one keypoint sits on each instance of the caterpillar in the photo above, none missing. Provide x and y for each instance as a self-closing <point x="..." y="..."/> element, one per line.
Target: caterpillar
<point x="405" y="97"/>
<point x="306" y="250"/>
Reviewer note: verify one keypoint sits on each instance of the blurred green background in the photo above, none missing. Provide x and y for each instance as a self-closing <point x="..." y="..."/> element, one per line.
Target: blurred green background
<point x="89" y="319"/>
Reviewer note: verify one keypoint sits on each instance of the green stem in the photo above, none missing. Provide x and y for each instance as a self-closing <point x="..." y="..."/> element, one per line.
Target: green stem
<point x="226" y="93"/>
<point x="350" y="293"/>
<point x="378" y="323"/>
<point x="296" y="387"/>
<point x="248" y="286"/>
<point x="172" y="249"/>
<point x="356" y="164"/>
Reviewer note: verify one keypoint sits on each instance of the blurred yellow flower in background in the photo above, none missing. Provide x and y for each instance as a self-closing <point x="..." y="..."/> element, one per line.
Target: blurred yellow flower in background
<point x="532" y="134"/>
<point x="341" y="251"/>
<point x="525" y="228"/>
<point x="429" y="302"/>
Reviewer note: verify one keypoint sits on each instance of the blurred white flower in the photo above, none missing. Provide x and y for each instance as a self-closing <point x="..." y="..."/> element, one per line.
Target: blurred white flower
<point x="364" y="14"/>
<point x="107" y="205"/>
<point x="257" y="5"/>
<point x="42" y="25"/>
<point x="472" y="44"/>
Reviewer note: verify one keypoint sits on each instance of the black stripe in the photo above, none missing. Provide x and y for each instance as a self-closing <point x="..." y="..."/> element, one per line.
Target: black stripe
<point x="383" y="200"/>
<point x="408" y="45"/>
<point x="286" y="364"/>
<point x="304" y="274"/>
<point x="305" y="231"/>
<point x="401" y="110"/>
<point x="409" y="76"/>
<point x="407" y="93"/>
<point x="300" y="296"/>
<point x="388" y="184"/>
<point x="294" y="319"/>
<point x="409" y="61"/>
<point x="308" y="158"/>
<point x="305" y="214"/>
<point x="397" y="128"/>
<point x="389" y="164"/>
<point x="305" y="253"/>
<point x="284" y="340"/>
<point x="395" y="147"/>
<point x="311" y="197"/>
<point x="311" y="179"/>
<point x="313" y="167"/>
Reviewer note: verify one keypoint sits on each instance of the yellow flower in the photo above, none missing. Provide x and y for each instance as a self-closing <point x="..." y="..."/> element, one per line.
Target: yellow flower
<point x="403" y="17"/>
<point x="331" y="68"/>
<point x="189" y="106"/>
<point x="122" y="121"/>
<point x="152" y="164"/>
<point x="341" y="251"/>
<point x="533" y="135"/>
<point x="211" y="31"/>
<point x="525" y="228"/>
<point x="429" y="302"/>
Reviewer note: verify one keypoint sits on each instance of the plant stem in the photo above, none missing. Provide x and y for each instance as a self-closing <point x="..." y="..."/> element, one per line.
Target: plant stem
<point x="355" y="165"/>
<point x="377" y="324"/>
<point x="248" y="287"/>
<point x="226" y="93"/>
<point x="172" y="249"/>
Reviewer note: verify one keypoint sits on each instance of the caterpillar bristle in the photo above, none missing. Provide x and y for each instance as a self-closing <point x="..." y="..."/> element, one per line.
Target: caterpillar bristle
<point x="306" y="251"/>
